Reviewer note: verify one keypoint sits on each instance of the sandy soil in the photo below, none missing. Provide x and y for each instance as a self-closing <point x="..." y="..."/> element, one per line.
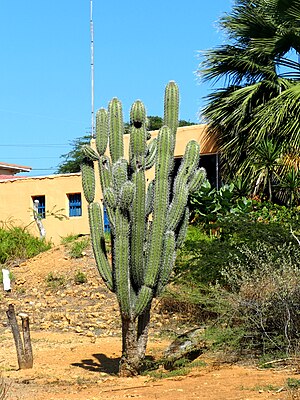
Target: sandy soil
<point x="76" y="343"/>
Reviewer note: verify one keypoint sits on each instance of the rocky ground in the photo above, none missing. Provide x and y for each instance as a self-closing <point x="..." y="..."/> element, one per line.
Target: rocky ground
<point x="76" y="341"/>
<point x="45" y="287"/>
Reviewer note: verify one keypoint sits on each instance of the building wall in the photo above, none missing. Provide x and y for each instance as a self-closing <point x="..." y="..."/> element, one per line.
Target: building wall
<point x="16" y="204"/>
<point x="16" y="196"/>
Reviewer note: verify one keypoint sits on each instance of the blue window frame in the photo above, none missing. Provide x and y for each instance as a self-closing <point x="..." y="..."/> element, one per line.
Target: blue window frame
<point x="40" y="201"/>
<point x="75" y="205"/>
<point x="106" y="220"/>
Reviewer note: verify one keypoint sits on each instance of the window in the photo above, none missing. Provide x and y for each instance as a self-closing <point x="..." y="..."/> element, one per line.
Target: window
<point x="106" y="220"/>
<point x="39" y="205"/>
<point x="75" y="208"/>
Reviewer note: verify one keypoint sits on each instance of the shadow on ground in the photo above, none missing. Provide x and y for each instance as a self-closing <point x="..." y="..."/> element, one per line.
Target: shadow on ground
<point x="102" y="363"/>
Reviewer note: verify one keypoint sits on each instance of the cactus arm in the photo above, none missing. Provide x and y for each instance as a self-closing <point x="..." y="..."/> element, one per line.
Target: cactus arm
<point x="187" y="169"/>
<point x="144" y="297"/>
<point x="189" y="162"/>
<point x="110" y="199"/>
<point x="138" y="228"/>
<point x="121" y="262"/>
<point x="89" y="153"/>
<point x="150" y="199"/>
<point x="126" y="195"/>
<point x="105" y="172"/>
<point x="98" y="243"/>
<point x="101" y="131"/>
<point x="137" y="148"/>
<point x="177" y="207"/>
<point x="137" y="152"/>
<point x="138" y="116"/>
<point x="171" y="106"/>
<point x="119" y="174"/>
<point x="168" y="260"/>
<point x="116" y="129"/>
<point x="151" y="154"/>
<point x="197" y="180"/>
<point x="182" y="228"/>
<point x="161" y="199"/>
<point x="171" y="111"/>
<point x="88" y="179"/>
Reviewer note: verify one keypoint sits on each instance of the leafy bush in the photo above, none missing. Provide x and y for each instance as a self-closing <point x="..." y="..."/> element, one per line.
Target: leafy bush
<point x="206" y="252"/>
<point x="265" y="296"/>
<point x="17" y="243"/>
<point x="208" y="205"/>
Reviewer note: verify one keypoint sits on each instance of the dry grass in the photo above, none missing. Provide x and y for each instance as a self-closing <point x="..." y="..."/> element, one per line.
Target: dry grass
<point x="4" y="387"/>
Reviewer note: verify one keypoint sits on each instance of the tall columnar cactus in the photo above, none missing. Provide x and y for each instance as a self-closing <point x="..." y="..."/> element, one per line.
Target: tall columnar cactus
<point x="148" y="221"/>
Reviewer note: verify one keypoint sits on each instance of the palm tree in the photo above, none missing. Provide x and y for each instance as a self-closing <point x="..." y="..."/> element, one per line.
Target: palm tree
<point x="261" y="80"/>
<point x="289" y="187"/>
<point x="267" y="159"/>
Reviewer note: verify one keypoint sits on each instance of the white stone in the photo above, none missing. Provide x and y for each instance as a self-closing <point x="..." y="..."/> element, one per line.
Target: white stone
<point x="6" y="280"/>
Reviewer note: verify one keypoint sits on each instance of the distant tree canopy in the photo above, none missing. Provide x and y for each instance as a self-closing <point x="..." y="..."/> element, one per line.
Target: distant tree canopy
<point x="72" y="160"/>
<point x="156" y="122"/>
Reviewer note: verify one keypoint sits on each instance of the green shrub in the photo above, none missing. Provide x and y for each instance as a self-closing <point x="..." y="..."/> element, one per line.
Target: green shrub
<point x="77" y="247"/>
<point x="55" y="281"/>
<point x="207" y="252"/>
<point x="17" y="243"/>
<point x="80" y="278"/>
<point x="75" y="244"/>
<point x="198" y="304"/>
<point x="66" y="240"/>
<point x="265" y="297"/>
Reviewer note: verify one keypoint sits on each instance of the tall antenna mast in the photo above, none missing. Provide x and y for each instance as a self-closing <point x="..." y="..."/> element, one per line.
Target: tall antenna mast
<point x="92" y="69"/>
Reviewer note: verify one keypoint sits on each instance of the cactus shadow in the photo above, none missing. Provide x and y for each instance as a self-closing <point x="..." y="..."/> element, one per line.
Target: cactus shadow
<point x="100" y="363"/>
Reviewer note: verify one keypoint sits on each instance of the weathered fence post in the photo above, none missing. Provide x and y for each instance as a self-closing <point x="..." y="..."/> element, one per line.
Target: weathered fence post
<point x="6" y="280"/>
<point x="24" y="350"/>
<point x="26" y="340"/>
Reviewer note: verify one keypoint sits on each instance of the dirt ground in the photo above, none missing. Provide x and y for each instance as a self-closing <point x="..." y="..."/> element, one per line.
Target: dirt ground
<point x="76" y="343"/>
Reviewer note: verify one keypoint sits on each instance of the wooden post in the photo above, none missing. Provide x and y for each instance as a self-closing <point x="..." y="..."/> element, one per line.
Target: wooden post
<point x="26" y="340"/>
<point x="24" y="351"/>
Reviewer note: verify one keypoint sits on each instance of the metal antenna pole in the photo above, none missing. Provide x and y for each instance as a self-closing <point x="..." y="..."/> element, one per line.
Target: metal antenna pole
<point x="92" y="68"/>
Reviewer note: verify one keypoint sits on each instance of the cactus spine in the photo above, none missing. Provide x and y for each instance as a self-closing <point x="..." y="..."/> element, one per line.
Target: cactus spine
<point x="149" y="223"/>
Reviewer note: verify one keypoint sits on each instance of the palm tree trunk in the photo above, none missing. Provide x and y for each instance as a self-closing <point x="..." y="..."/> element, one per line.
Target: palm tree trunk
<point x="270" y="186"/>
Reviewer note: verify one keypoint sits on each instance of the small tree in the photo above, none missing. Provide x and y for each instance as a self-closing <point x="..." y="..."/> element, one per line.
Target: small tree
<point x="73" y="159"/>
<point x="147" y="224"/>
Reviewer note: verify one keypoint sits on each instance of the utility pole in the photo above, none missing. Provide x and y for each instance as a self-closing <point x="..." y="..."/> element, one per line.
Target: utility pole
<point x="92" y="70"/>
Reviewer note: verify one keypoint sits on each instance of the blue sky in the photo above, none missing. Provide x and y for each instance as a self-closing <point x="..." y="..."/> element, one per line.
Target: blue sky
<point x="45" y="67"/>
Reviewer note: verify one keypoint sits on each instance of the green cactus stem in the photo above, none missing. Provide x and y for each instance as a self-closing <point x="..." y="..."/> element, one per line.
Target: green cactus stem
<point x="101" y="131"/>
<point x="148" y="222"/>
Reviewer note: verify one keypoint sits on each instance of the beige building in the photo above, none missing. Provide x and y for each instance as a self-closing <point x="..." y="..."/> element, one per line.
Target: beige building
<point x="61" y="203"/>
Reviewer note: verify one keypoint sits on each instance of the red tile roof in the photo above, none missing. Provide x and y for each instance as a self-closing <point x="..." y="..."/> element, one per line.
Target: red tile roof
<point x="14" y="167"/>
<point x="11" y="177"/>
